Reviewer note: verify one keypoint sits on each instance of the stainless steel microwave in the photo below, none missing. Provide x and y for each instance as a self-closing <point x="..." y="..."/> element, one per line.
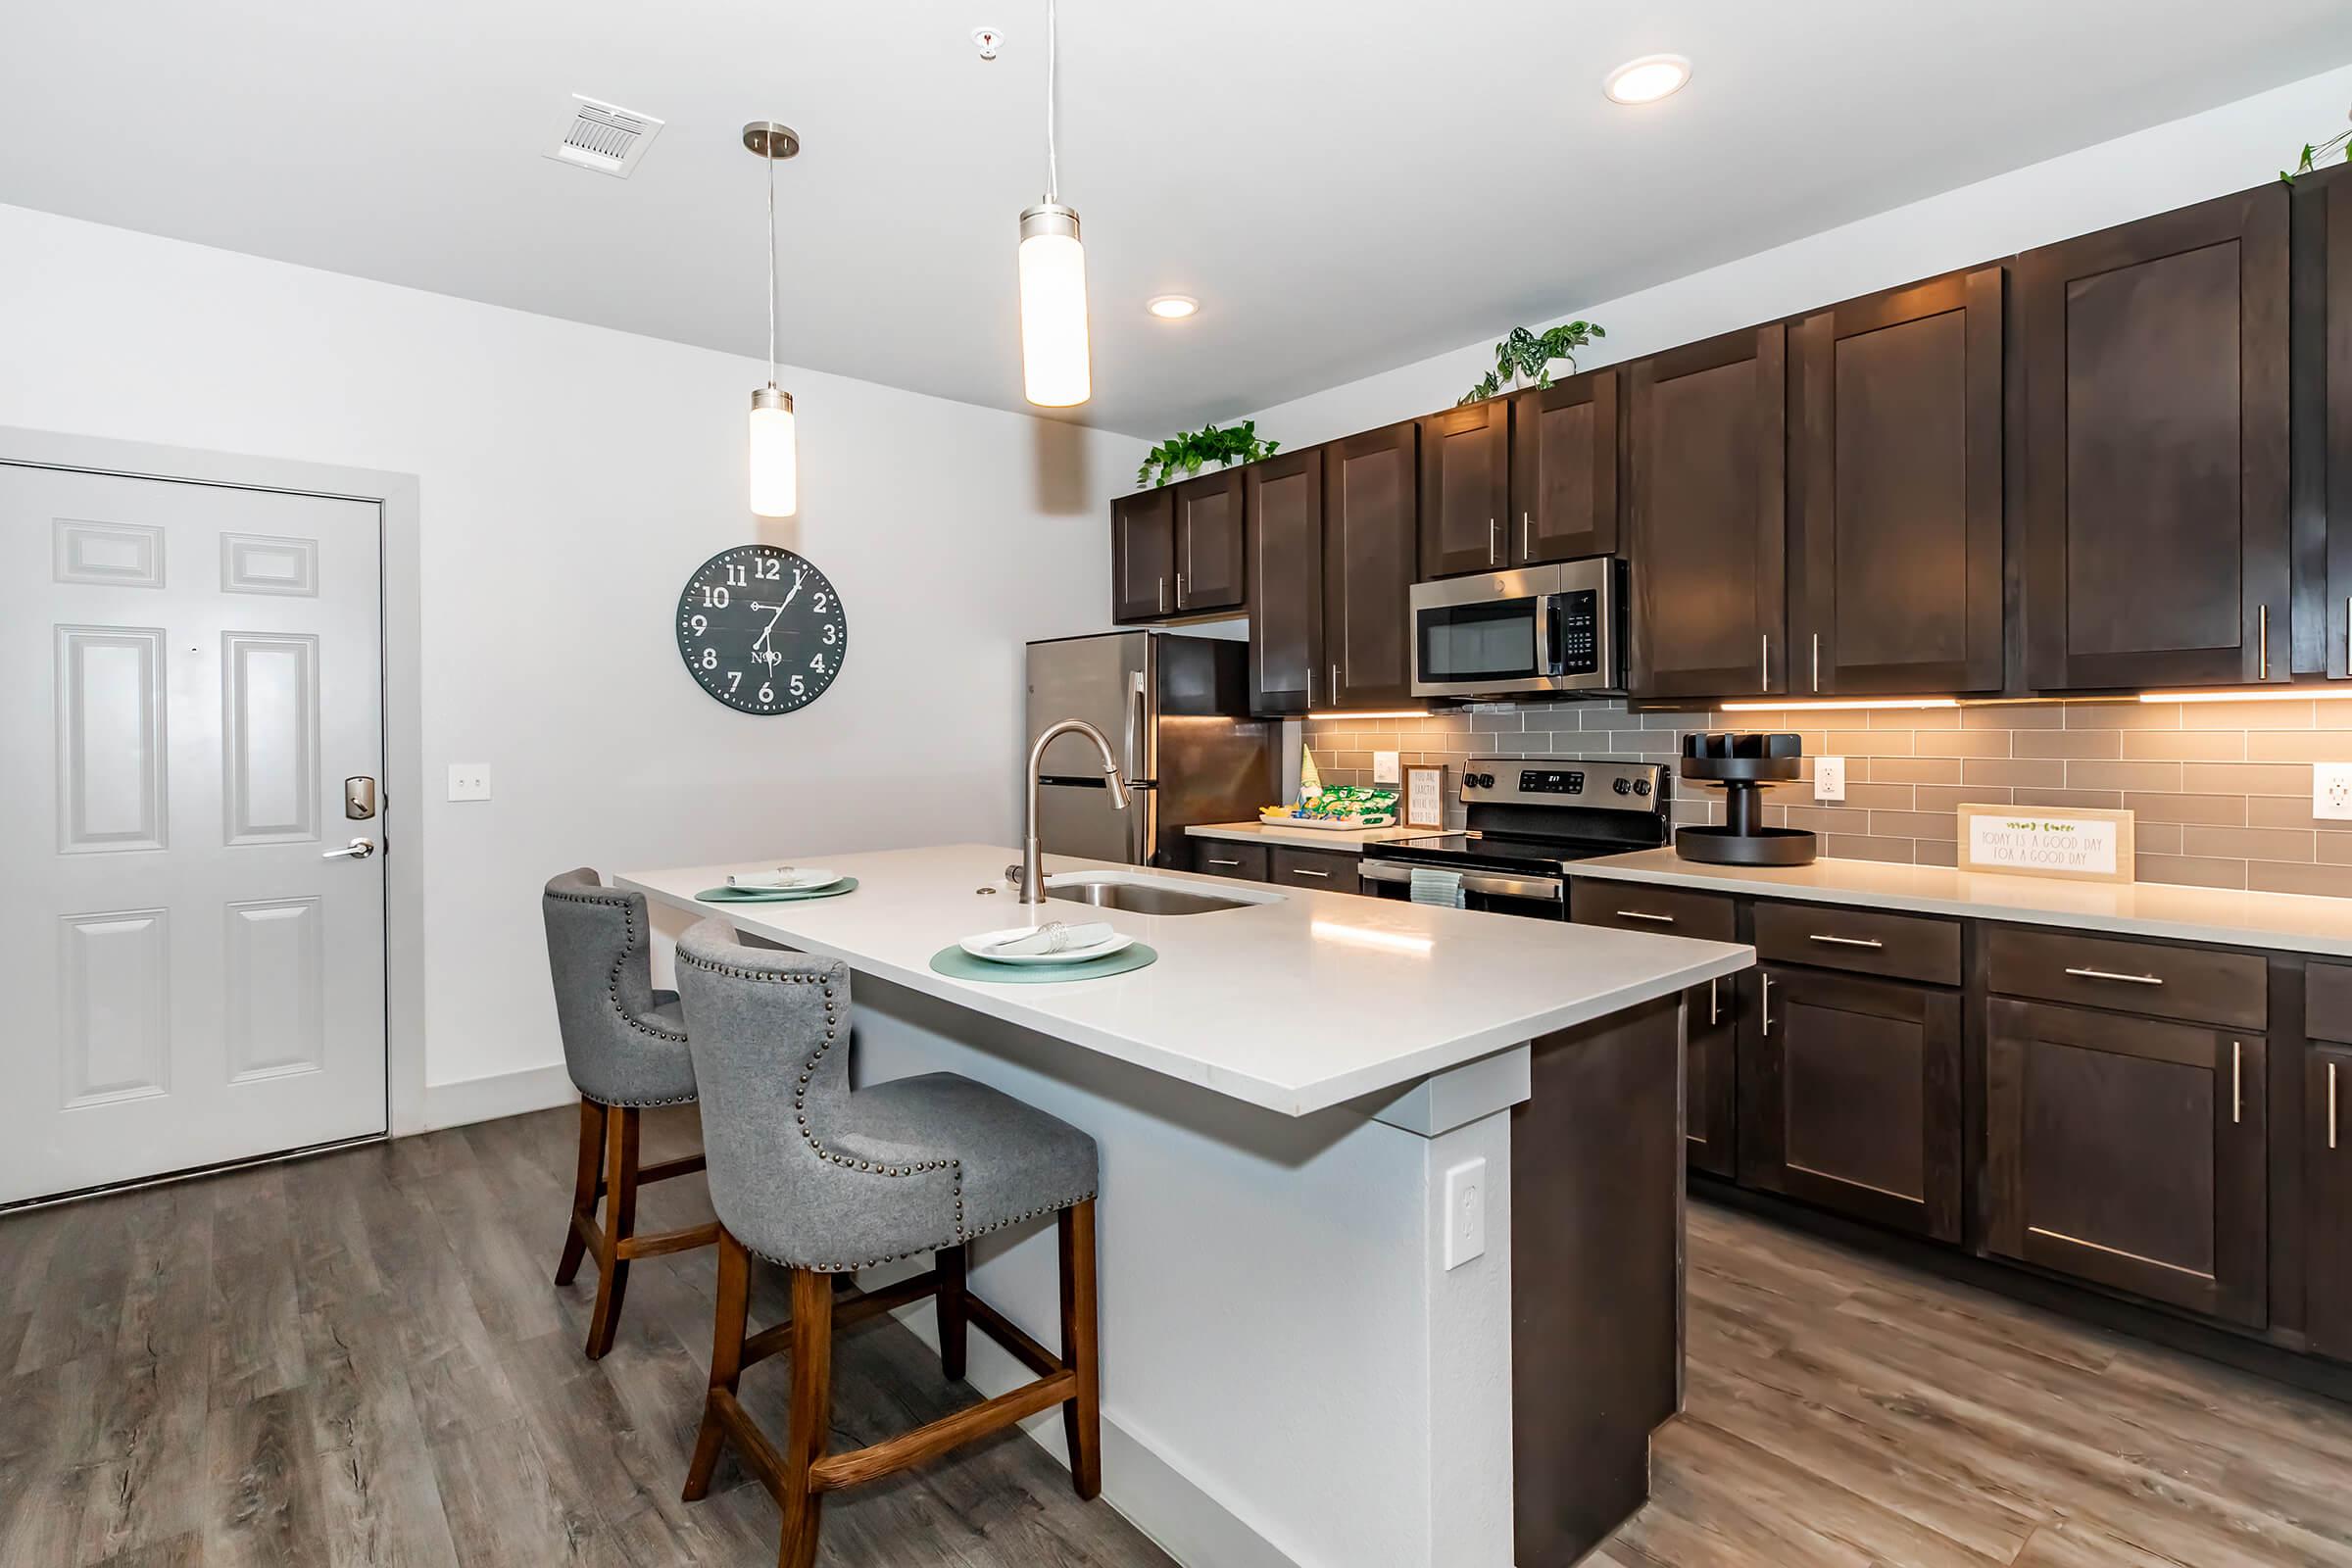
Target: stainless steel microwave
<point x="1556" y="628"/>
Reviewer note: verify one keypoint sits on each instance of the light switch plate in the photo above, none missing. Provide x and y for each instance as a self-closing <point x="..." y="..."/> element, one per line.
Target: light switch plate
<point x="1829" y="778"/>
<point x="1466" y="1212"/>
<point x="2332" y="791"/>
<point x="1383" y="768"/>
<point x="469" y="781"/>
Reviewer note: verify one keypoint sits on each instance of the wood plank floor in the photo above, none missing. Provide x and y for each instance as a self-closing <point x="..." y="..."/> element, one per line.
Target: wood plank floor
<point x="359" y="1360"/>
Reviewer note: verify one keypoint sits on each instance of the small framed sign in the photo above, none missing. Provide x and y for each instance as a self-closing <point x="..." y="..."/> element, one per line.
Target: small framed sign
<point x="2080" y="844"/>
<point x="1424" y="795"/>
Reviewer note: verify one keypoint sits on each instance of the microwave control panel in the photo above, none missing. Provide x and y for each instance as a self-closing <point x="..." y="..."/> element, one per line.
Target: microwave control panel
<point x="1578" y="652"/>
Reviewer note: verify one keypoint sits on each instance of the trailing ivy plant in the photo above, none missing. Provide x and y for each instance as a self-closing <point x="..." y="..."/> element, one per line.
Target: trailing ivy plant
<point x="1186" y="451"/>
<point x="1524" y="359"/>
<point x="2313" y="157"/>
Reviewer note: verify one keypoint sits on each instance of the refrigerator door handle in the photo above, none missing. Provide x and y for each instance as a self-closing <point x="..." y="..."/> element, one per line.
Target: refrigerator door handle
<point x="1135" y="718"/>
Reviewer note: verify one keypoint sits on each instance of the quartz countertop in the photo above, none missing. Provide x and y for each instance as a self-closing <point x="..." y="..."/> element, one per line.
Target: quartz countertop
<point x="1295" y="1004"/>
<point x="2287" y="921"/>
<point x="1352" y="840"/>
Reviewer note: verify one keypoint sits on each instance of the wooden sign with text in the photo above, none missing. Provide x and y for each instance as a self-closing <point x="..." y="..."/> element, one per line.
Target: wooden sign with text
<point x="2081" y="844"/>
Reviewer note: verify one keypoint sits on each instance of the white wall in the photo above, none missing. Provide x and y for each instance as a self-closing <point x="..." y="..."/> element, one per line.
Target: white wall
<point x="2168" y="165"/>
<point x="571" y="479"/>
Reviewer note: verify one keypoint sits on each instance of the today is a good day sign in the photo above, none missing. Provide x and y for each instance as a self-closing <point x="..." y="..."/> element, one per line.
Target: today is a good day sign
<point x="2084" y="845"/>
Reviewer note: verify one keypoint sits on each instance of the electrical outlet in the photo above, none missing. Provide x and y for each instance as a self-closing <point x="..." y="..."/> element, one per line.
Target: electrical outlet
<point x="469" y="781"/>
<point x="2332" y="791"/>
<point x="1383" y="768"/>
<point x="1466" y="1212"/>
<point x="1829" y="778"/>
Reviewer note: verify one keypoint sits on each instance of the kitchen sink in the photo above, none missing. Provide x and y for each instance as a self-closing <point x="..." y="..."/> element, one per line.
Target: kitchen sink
<point x="1148" y="895"/>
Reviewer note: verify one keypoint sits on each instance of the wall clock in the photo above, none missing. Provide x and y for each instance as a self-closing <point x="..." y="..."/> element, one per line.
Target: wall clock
<point x="762" y="630"/>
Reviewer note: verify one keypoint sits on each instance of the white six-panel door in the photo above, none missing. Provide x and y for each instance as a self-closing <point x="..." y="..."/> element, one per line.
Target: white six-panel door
<point x="189" y="673"/>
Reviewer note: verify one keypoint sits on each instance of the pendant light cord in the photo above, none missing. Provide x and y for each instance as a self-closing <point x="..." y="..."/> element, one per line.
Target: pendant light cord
<point x="771" y="262"/>
<point x="1053" y="59"/>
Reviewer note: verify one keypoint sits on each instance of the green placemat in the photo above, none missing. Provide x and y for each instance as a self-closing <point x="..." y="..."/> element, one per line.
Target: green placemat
<point x="957" y="965"/>
<point x="848" y="884"/>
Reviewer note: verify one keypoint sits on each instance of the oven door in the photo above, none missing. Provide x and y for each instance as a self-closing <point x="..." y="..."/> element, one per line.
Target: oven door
<point x="1543" y="897"/>
<point x="1477" y="636"/>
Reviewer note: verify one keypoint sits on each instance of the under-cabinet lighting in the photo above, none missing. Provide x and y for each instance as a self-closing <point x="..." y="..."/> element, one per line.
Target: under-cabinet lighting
<point x="1647" y="79"/>
<point x="1845" y="706"/>
<point x="2265" y="694"/>
<point x="1382" y="712"/>
<point x="1360" y="936"/>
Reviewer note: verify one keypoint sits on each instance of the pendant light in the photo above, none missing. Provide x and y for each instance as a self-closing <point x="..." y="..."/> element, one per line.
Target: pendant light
<point x="775" y="471"/>
<point x="1054" y="360"/>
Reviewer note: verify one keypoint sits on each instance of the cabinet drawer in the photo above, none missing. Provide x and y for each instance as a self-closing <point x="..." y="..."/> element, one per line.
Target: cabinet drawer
<point x="1826" y="936"/>
<point x="1662" y="911"/>
<point x="2328" y="1002"/>
<point x="1222" y="857"/>
<point x="2196" y="984"/>
<point x="1328" y="869"/>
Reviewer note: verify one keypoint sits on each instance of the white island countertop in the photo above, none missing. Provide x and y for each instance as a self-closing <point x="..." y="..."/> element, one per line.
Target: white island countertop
<point x="1295" y="1004"/>
<point x="2291" y="921"/>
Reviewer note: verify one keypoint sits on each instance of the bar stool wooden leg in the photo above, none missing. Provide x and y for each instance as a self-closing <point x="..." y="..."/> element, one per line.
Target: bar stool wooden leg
<point x="811" y="1414"/>
<point x="583" y="1191"/>
<point x="727" y="1360"/>
<point x="1082" y="1416"/>
<point x="953" y="1318"/>
<point x="620" y="1223"/>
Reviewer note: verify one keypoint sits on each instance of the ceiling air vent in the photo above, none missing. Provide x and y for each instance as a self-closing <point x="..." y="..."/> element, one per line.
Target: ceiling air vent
<point x="604" y="137"/>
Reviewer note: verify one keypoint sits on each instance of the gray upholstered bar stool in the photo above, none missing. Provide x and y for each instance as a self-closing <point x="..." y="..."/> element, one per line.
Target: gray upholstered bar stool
<point x="823" y="1179"/>
<point x="624" y="1043"/>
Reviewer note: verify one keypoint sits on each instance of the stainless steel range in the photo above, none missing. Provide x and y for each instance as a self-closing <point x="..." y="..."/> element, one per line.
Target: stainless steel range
<point x="1529" y="817"/>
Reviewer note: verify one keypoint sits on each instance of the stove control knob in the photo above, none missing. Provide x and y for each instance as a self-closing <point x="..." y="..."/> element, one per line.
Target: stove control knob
<point x="1640" y="786"/>
<point x="1624" y="786"/>
<point x="1478" y="781"/>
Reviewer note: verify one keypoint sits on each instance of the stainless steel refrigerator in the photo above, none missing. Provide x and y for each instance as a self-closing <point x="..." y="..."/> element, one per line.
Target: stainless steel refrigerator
<point x="1176" y="710"/>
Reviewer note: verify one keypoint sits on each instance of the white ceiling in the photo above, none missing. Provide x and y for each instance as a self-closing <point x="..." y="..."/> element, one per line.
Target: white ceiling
<point x="1345" y="184"/>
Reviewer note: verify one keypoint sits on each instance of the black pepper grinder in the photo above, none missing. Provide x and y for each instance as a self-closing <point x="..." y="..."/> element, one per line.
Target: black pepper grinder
<point x="1744" y="764"/>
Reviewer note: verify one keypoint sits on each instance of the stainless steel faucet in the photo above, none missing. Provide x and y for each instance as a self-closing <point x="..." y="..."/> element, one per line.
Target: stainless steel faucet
<point x="1033" y="880"/>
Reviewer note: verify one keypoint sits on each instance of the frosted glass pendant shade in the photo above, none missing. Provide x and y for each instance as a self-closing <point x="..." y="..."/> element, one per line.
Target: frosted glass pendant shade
<point x="1055" y="360"/>
<point x="775" y="454"/>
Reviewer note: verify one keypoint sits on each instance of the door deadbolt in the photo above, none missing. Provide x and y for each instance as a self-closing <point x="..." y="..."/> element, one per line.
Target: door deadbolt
<point x="358" y="799"/>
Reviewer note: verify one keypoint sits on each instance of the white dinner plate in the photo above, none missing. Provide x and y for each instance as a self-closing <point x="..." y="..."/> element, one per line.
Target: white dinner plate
<point x="978" y="948"/>
<point x="803" y="879"/>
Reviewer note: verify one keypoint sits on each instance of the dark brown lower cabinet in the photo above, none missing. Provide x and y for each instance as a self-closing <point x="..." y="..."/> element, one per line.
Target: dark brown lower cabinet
<point x="1710" y="1065"/>
<point x="1332" y="870"/>
<point x="1225" y="858"/>
<point x="2328" y="1197"/>
<point x="2131" y="1153"/>
<point x="1850" y="1095"/>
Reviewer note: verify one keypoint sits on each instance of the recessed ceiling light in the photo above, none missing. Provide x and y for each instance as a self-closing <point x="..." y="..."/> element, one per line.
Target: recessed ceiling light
<point x="1647" y="79"/>
<point x="1173" y="306"/>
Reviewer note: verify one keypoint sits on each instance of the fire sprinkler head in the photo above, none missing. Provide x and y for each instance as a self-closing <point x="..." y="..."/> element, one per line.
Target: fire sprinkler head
<point x="989" y="40"/>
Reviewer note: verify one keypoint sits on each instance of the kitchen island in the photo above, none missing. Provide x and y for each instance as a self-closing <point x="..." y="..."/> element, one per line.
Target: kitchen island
<point x="1308" y="1108"/>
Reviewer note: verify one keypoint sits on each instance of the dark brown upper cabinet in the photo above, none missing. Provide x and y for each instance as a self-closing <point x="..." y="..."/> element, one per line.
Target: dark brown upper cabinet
<point x="1706" y="529"/>
<point x="2130" y="1153"/>
<point x="1286" y="580"/>
<point x="2322" y="373"/>
<point x="1143" y="555"/>
<point x="2154" y="431"/>
<point x="1894" y="491"/>
<point x="1211" y="555"/>
<point x="1465" y="488"/>
<point x="1370" y="545"/>
<point x="1564" y="446"/>
<point x="1850" y="1094"/>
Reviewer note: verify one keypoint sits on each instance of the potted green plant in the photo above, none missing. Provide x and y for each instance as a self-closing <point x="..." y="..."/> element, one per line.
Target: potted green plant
<point x="2313" y="156"/>
<point x="1524" y="358"/>
<point x="1185" y="453"/>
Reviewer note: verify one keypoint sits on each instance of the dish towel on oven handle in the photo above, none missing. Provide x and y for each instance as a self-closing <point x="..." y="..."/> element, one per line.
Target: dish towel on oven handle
<point x="1441" y="888"/>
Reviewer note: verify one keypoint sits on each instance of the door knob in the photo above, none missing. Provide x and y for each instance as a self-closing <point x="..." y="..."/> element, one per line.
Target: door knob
<point x="356" y="849"/>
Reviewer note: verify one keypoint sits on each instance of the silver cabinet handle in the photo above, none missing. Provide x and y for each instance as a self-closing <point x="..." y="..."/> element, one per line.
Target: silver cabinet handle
<point x="1644" y="914"/>
<point x="1714" y="1013"/>
<point x="2237" y="1080"/>
<point x="1180" y="590"/>
<point x="2331" y="1105"/>
<point x="1849" y="942"/>
<point x="356" y="849"/>
<point x="1301" y="870"/>
<point x="1310" y="685"/>
<point x="2110" y="974"/>
<point x="1493" y="544"/>
<point x="1817" y="661"/>
<point x="1335" y="680"/>
<point x="1163" y="596"/>
<point x="2262" y="634"/>
<point x="1764" y="666"/>
<point x="1215" y="862"/>
<point x="1527" y="536"/>
<point x="1767" y="1004"/>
